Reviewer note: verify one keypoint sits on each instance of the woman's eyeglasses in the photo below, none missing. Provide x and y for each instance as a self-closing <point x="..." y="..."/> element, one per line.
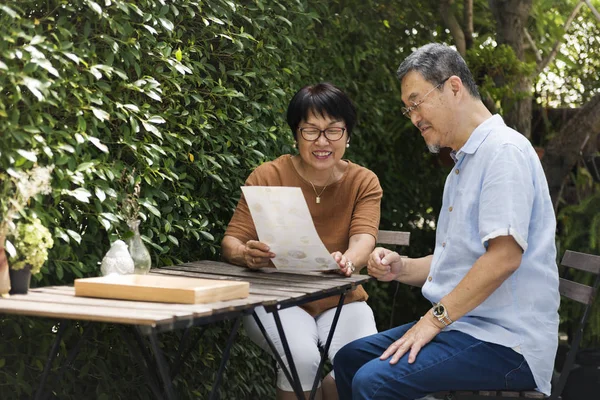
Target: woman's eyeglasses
<point x="312" y="134"/>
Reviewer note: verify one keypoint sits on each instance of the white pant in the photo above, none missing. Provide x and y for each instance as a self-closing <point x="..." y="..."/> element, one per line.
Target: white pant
<point x="304" y="333"/>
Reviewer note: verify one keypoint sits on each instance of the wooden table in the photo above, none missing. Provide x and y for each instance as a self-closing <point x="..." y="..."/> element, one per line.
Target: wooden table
<point x="269" y="288"/>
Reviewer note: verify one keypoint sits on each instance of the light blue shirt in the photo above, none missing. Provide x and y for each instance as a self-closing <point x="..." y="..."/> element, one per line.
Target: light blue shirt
<point x="497" y="188"/>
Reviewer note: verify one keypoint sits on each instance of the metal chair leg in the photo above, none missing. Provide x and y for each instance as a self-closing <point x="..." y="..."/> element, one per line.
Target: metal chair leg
<point x="39" y="394"/>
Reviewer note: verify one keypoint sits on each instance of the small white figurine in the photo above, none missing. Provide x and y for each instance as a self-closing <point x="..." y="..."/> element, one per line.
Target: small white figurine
<point x="117" y="260"/>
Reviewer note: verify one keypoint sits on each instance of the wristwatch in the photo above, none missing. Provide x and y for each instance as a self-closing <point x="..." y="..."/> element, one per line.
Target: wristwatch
<point x="440" y="313"/>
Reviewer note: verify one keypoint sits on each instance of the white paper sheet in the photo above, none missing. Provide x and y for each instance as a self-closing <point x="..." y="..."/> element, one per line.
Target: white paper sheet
<point x="283" y="221"/>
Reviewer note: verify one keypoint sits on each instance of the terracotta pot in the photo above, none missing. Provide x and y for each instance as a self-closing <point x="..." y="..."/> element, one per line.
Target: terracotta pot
<point x="4" y="276"/>
<point x="19" y="280"/>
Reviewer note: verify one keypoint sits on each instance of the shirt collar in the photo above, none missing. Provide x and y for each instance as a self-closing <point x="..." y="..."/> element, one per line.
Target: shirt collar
<point x="477" y="137"/>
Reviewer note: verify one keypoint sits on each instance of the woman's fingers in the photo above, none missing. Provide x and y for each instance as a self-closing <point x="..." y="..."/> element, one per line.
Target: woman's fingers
<point x="257" y="254"/>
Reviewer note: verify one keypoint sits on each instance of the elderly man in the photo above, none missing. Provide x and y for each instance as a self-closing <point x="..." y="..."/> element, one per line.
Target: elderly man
<point x="492" y="279"/>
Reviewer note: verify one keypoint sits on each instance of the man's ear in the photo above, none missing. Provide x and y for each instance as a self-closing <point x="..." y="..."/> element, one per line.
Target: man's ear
<point x="456" y="84"/>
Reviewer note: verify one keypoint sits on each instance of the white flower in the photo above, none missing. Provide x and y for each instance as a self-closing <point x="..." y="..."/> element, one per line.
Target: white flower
<point x="37" y="180"/>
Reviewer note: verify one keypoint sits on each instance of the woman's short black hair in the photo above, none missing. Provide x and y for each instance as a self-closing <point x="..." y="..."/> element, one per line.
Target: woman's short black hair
<point x="323" y="99"/>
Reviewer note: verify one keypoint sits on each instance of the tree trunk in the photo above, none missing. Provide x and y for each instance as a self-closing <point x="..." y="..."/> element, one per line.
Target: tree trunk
<point x="562" y="151"/>
<point x="511" y="17"/>
<point x="453" y="26"/>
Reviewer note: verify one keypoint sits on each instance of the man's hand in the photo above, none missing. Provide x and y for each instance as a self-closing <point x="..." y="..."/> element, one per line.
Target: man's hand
<point x="384" y="264"/>
<point x="414" y="340"/>
<point x="257" y="254"/>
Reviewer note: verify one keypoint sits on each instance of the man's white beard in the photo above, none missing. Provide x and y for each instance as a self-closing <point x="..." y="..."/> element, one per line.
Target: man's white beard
<point x="434" y="148"/>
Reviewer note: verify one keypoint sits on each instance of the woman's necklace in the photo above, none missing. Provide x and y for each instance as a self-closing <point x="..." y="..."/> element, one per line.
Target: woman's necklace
<point x="318" y="199"/>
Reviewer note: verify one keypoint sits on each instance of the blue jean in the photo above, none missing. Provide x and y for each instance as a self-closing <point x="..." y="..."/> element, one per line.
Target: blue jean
<point x="451" y="361"/>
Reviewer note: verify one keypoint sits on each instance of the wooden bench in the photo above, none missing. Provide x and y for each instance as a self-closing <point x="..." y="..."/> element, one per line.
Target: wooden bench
<point x="570" y="289"/>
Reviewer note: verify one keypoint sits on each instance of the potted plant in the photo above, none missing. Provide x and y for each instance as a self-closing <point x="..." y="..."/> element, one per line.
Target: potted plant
<point x="16" y="190"/>
<point x="32" y="241"/>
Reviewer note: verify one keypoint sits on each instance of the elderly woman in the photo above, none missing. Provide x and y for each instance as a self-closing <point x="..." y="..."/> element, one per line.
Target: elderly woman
<point x="344" y="202"/>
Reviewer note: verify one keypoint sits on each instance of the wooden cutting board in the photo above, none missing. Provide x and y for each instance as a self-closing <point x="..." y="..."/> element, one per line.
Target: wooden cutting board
<point x="168" y="289"/>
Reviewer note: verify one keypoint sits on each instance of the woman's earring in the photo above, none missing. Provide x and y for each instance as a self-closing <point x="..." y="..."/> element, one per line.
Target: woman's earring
<point x="347" y="144"/>
<point x="294" y="145"/>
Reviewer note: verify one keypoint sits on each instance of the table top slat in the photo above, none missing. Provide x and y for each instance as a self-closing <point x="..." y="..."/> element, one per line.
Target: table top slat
<point x="249" y="275"/>
<point x="222" y="268"/>
<point x="255" y="281"/>
<point x="280" y="293"/>
<point x="68" y="297"/>
<point x="88" y="313"/>
<point x="66" y="294"/>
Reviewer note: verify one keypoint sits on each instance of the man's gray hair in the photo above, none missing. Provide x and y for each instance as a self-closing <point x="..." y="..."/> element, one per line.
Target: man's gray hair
<point x="436" y="62"/>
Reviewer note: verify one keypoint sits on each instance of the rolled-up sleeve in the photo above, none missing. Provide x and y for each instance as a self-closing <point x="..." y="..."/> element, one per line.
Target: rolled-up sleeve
<point x="367" y="208"/>
<point x="507" y="196"/>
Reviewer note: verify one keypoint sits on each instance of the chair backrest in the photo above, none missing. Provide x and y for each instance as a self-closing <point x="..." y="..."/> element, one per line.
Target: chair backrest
<point x="393" y="237"/>
<point x="583" y="294"/>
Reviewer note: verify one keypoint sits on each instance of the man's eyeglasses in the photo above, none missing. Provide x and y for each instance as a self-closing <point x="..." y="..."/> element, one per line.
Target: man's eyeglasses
<point x="415" y="106"/>
<point x="313" y="134"/>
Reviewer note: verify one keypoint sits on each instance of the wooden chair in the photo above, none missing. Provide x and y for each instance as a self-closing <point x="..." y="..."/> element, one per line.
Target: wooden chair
<point x="396" y="238"/>
<point x="393" y="238"/>
<point x="581" y="293"/>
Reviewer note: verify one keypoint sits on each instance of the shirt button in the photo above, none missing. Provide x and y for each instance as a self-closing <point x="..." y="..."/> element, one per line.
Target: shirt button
<point x="450" y="208"/>
<point x="430" y="278"/>
<point x="444" y="244"/>
<point x="456" y="171"/>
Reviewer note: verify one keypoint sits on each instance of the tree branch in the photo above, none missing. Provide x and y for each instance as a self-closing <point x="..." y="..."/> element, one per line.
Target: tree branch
<point x="453" y="26"/>
<point x="554" y="51"/>
<point x="468" y="23"/>
<point x="536" y="51"/>
<point x="594" y="11"/>
<point x="562" y="151"/>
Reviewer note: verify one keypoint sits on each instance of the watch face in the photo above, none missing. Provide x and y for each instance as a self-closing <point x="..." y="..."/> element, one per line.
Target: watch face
<point x="438" y="310"/>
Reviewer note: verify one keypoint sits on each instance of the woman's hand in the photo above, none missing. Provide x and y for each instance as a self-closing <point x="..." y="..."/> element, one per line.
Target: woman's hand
<point x="257" y="254"/>
<point x="346" y="267"/>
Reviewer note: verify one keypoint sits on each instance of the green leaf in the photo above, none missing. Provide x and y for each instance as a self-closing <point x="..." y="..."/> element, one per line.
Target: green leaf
<point x="95" y="6"/>
<point x="11" y="13"/>
<point x="151" y="208"/>
<point x="100" y="114"/>
<point x="80" y="194"/>
<point x="207" y="235"/>
<point x="28" y="155"/>
<point x="96" y="142"/>
<point x="85" y="166"/>
<point x="74" y="235"/>
<point x="168" y="25"/>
